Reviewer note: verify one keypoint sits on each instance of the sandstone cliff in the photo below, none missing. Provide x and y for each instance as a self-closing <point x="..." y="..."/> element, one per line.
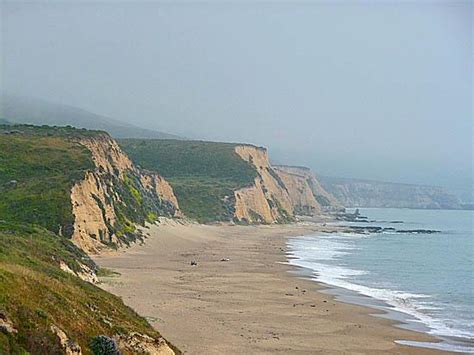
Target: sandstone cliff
<point x="109" y="202"/>
<point x="301" y="195"/>
<point x="267" y="200"/>
<point x="222" y="182"/>
<point x="307" y="195"/>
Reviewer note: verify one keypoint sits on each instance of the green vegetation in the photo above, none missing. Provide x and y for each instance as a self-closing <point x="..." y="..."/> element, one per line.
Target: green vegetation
<point x="203" y="175"/>
<point x="105" y="272"/>
<point x="38" y="167"/>
<point x="136" y="205"/>
<point x="36" y="294"/>
<point x="40" y="164"/>
<point x="36" y="175"/>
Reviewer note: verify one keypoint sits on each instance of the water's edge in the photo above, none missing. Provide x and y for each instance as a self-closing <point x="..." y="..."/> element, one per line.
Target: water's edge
<point x="384" y="310"/>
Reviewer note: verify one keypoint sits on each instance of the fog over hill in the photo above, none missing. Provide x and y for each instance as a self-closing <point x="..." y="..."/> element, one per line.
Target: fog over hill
<point x="350" y="192"/>
<point x="29" y="110"/>
<point x="379" y="91"/>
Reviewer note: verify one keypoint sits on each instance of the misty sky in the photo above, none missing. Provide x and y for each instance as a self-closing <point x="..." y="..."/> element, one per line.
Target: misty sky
<point x="381" y="91"/>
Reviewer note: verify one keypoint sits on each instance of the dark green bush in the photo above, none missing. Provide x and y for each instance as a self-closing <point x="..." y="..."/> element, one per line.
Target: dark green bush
<point x="103" y="345"/>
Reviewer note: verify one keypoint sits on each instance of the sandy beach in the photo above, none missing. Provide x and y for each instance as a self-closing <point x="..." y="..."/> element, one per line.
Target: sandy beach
<point x="240" y="298"/>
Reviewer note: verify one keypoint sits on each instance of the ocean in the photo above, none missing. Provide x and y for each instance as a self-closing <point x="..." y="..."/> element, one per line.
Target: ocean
<point x="427" y="280"/>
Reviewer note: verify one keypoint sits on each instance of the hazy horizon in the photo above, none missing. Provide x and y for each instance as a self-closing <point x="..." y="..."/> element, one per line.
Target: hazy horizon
<point x="370" y="91"/>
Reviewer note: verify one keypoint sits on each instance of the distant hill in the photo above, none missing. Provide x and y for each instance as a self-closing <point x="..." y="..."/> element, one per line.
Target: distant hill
<point x="369" y="193"/>
<point x="39" y="112"/>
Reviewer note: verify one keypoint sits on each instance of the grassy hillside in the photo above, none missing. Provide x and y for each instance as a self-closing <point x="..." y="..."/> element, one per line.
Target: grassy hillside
<point x="38" y="167"/>
<point x="36" y="294"/>
<point x="202" y="174"/>
<point x="37" y="171"/>
<point x="40" y="164"/>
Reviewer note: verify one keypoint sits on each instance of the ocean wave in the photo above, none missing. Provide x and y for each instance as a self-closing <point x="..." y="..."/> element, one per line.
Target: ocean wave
<point x="313" y="252"/>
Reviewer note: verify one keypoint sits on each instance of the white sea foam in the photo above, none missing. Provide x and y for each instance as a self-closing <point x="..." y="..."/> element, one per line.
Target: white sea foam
<point x="314" y="253"/>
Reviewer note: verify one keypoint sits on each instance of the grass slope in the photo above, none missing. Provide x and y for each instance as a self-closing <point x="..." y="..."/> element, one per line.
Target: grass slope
<point x="202" y="174"/>
<point x="40" y="164"/>
<point x="36" y="175"/>
<point x="38" y="167"/>
<point x="36" y="294"/>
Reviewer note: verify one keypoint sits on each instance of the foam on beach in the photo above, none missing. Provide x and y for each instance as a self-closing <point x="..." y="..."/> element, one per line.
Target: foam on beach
<point x="326" y="254"/>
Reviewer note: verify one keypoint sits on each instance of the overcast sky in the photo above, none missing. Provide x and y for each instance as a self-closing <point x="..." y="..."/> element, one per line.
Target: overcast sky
<point x="368" y="90"/>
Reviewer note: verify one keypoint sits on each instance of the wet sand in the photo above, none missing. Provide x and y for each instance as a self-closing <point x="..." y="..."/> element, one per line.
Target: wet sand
<point x="249" y="304"/>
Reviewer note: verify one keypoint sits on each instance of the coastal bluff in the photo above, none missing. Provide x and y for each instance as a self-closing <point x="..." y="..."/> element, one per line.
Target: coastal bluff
<point x="231" y="182"/>
<point x="65" y="194"/>
<point x="102" y="199"/>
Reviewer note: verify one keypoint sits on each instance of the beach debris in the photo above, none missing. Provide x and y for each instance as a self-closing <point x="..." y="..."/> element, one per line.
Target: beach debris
<point x="194" y="263"/>
<point x="225" y="259"/>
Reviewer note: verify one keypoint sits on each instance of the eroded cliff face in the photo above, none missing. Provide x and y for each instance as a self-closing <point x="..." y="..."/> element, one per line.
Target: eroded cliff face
<point x="162" y="187"/>
<point x="300" y="192"/>
<point x="109" y="202"/>
<point x="306" y="193"/>
<point x="267" y="200"/>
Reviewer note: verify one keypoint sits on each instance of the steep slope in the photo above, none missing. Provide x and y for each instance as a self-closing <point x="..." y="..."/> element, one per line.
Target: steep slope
<point x="217" y="181"/>
<point x="45" y="310"/>
<point x="114" y="196"/>
<point x="37" y="173"/>
<point x="202" y="174"/>
<point x="267" y="200"/>
<point x="61" y="188"/>
<point x="301" y="195"/>
<point x="39" y="112"/>
<point x="79" y="184"/>
<point x="368" y="193"/>
<point x="307" y="195"/>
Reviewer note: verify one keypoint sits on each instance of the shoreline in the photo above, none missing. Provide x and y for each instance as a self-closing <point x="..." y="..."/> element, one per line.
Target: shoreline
<point x="383" y="310"/>
<point x="255" y="301"/>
